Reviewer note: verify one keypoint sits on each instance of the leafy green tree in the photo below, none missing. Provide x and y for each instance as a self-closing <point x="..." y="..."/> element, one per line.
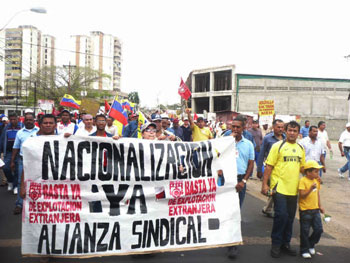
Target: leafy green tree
<point x="134" y="97"/>
<point x="53" y="82"/>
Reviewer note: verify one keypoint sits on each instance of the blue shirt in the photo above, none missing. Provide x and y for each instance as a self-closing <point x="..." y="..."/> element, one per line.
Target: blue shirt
<point x="265" y="148"/>
<point x="23" y="135"/>
<point x="107" y="134"/>
<point x="304" y="131"/>
<point x="246" y="134"/>
<point x="245" y="152"/>
<point x="187" y="133"/>
<point x="8" y="137"/>
<point x="179" y="133"/>
<point x="131" y="129"/>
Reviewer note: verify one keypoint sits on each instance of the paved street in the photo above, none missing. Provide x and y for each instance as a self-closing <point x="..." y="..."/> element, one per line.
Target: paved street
<point x="256" y="232"/>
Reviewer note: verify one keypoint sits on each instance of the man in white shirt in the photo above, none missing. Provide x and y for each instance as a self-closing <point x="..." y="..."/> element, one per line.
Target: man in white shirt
<point x="110" y="128"/>
<point x="314" y="148"/>
<point x="323" y="136"/>
<point x="88" y="128"/>
<point x="344" y="147"/>
<point x="66" y="127"/>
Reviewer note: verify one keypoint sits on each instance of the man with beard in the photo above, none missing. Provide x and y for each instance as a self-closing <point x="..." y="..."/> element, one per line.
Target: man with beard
<point x="22" y="135"/>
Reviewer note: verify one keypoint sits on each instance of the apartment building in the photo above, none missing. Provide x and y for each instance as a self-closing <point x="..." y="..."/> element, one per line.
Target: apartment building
<point x="23" y="51"/>
<point x="48" y="51"/>
<point x="101" y="52"/>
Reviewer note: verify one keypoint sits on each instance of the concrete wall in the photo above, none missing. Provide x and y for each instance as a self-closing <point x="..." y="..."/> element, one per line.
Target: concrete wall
<point x="313" y="99"/>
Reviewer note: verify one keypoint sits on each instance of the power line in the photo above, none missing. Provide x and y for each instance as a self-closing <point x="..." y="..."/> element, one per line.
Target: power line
<point x="62" y="49"/>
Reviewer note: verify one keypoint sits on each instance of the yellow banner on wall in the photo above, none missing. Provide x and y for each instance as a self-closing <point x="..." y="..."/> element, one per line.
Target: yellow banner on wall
<point x="266" y="107"/>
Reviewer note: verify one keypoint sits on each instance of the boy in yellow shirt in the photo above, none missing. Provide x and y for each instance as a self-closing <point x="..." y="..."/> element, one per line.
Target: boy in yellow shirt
<point x="310" y="208"/>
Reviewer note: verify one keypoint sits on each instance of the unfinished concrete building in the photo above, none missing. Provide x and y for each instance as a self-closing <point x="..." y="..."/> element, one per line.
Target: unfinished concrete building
<point x="221" y="89"/>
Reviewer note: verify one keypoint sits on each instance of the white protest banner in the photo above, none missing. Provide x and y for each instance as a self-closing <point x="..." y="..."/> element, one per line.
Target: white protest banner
<point x="93" y="196"/>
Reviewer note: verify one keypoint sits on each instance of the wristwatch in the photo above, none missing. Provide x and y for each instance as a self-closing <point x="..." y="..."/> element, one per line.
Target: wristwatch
<point x="244" y="181"/>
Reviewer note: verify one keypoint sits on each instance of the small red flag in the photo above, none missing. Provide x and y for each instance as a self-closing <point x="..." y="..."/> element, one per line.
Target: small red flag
<point x="184" y="91"/>
<point x="55" y="112"/>
<point x="195" y="117"/>
<point x="107" y="106"/>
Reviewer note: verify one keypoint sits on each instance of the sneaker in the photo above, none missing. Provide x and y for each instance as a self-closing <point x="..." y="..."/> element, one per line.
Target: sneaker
<point x="17" y="210"/>
<point x="232" y="252"/>
<point x="312" y="251"/>
<point x="306" y="255"/>
<point x="15" y="190"/>
<point x="288" y="250"/>
<point x="340" y="174"/>
<point x="10" y="187"/>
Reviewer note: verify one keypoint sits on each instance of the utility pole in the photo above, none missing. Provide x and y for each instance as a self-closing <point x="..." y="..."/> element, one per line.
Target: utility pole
<point x="16" y="95"/>
<point x="68" y="89"/>
<point x="34" y="96"/>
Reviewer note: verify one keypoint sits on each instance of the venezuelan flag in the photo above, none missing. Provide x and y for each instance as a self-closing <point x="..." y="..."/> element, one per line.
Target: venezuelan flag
<point x="117" y="112"/>
<point x="69" y="101"/>
<point x="127" y="105"/>
<point x="141" y="121"/>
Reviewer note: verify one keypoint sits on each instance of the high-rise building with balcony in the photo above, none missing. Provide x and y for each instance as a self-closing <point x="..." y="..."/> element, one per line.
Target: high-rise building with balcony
<point x="26" y="51"/>
<point x="47" y="51"/>
<point x="100" y="52"/>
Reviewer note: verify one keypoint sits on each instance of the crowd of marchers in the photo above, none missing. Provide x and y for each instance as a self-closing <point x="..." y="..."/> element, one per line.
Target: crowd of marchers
<point x="290" y="160"/>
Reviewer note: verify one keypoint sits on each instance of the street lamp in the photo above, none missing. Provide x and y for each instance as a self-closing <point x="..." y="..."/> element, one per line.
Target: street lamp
<point x="39" y="10"/>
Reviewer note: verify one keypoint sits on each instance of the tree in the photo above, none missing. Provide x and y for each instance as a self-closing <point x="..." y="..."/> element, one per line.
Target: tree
<point x="53" y="82"/>
<point x="134" y="97"/>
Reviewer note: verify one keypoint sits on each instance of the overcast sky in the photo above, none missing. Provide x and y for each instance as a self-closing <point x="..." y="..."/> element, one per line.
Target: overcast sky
<point x="165" y="40"/>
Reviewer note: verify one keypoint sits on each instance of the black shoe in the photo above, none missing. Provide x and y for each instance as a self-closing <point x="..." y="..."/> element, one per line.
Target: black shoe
<point x="270" y="215"/>
<point x="275" y="251"/>
<point x="288" y="250"/>
<point x="17" y="210"/>
<point x="232" y="252"/>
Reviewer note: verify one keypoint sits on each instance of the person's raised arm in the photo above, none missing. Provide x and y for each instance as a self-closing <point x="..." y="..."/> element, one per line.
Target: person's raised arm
<point x="188" y="111"/>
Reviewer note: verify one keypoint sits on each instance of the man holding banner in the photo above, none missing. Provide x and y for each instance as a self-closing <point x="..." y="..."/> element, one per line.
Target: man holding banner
<point x="245" y="165"/>
<point x="69" y="179"/>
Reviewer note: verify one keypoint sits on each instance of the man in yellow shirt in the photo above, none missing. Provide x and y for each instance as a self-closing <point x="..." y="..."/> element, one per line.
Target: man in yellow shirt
<point x="199" y="131"/>
<point x="283" y="165"/>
